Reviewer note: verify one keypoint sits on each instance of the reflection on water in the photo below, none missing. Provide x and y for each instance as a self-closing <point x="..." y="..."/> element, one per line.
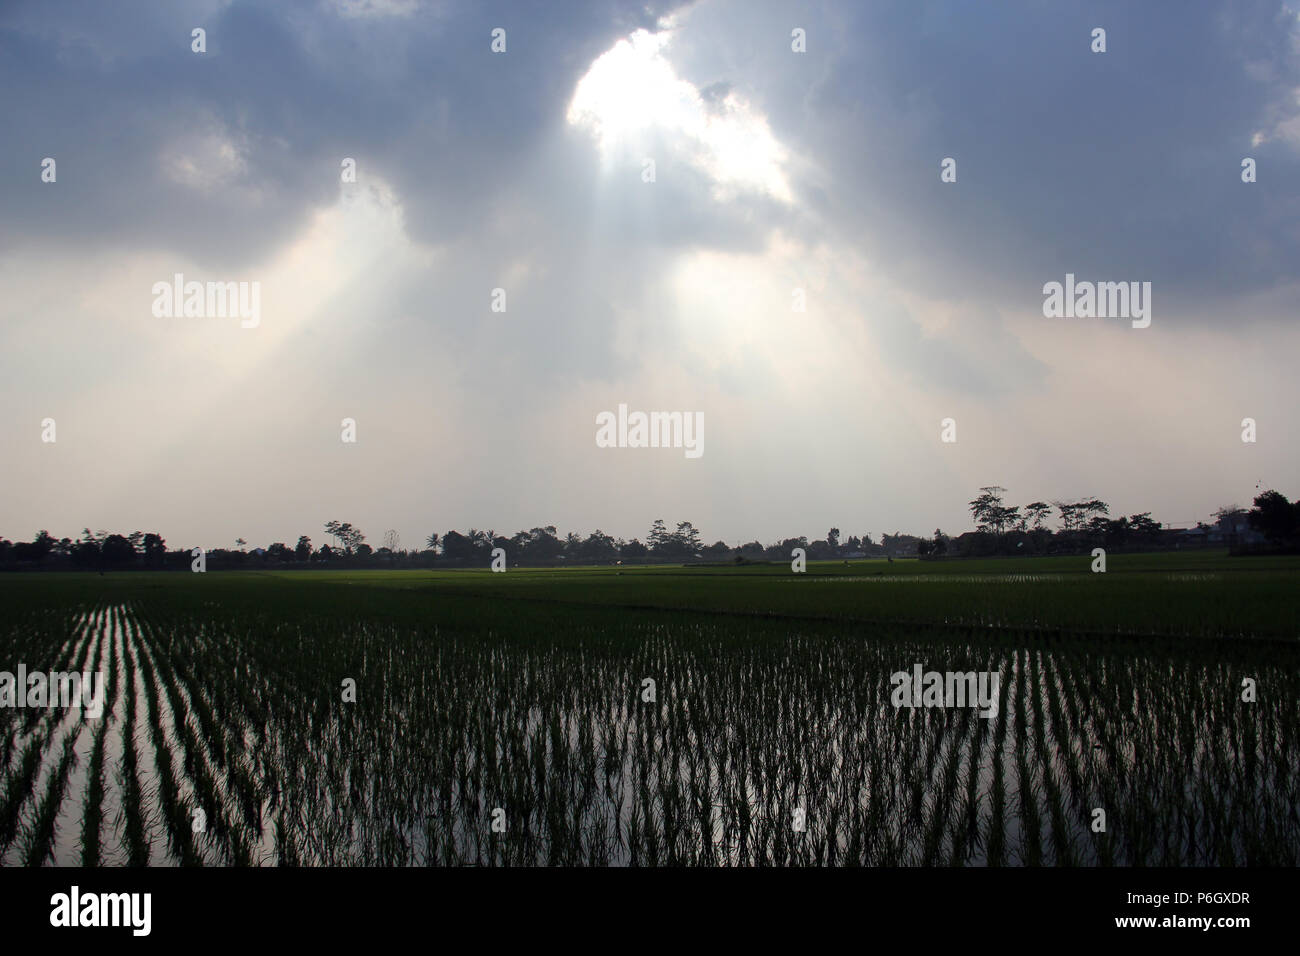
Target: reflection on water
<point x="561" y="744"/>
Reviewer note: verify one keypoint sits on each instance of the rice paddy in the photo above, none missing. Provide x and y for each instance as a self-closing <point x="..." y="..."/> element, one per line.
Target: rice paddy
<point x="510" y="719"/>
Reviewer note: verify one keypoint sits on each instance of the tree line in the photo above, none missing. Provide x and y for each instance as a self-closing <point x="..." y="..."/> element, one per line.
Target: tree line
<point x="1273" y="524"/>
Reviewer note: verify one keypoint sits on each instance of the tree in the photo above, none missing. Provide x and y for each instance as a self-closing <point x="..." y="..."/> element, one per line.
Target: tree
<point x="572" y="545"/>
<point x="1276" y="518"/>
<point x="987" y="509"/>
<point x="543" y="546"/>
<point x="686" y="539"/>
<point x="432" y="542"/>
<point x="1077" y="514"/>
<point x="1141" y="525"/>
<point x="1037" y="512"/>
<point x="117" y="551"/>
<point x="1011" y="519"/>
<point x="634" y="549"/>
<point x="833" y="538"/>
<point x="658" y="538"/>
<point x="457" y="547"/>
<point x="346" y="535"/>
<point x="599" y="547"/>
<point x="155" y="550"/>
<point x="86" y="552"/>
<point x="303" y="550"/>
<point x="239" y="543"/>
<point x="1094" y="508"/>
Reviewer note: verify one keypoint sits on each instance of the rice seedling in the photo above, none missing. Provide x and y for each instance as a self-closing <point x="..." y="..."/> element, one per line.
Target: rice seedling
<point x="480" y="703"/>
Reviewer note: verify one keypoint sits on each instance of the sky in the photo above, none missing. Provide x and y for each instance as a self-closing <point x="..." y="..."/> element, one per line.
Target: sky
<point x="733" y="209"/>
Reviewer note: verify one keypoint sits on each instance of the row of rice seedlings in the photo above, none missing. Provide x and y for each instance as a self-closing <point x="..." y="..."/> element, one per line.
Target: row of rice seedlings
<point x="46" y="729"/>
<point x="1056" y="754"/>
<point x="1027" y="797"/>
<point x="93" y="812"/>
<point x="40" y="842"/>
<point x="1081" y="765"/>
<point x="83" y="729"/>
<point x="995" y="854"/>
<point x="199" y="788"/>
<point x="554" y="733"/>
<point x="206" y="758"/>
<point x="243" y="732"/>
<point x="133" y="808"/>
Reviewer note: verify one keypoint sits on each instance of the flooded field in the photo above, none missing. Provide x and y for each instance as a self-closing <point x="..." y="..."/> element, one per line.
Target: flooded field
<point x="486" y="734"/>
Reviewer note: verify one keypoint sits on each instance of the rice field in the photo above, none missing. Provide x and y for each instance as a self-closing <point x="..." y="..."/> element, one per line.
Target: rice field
<point x="491" y="726"/>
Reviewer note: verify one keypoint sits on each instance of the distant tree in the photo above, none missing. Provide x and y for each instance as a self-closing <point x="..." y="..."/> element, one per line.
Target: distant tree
<point x="1276" y="518"/>
<point x="117" y="551"/>
<point x="303" y="550"/>
<point x="1094" y="508"/>
<point x="988" y="511"/>
<point x="687" y="539"/>
<point x="86" y="552"/>
<point x="432" y="542"/>
<point x="833" y="538"/>
<point x="364" y="550"/>
<point x="599" y="547"/>
<point x="1114" y="532"/>
<point x="543" y="546"/>
<point x="354" y="537"/>
<point x="279" y="552"/>
<point x="457" y="547"/>
<point x="239" y="543"/>
<point x="1010" y="519"/>
<point x="1141" y="525"/>
<point x="658" y="539"/>
<point x="41" y="545"/>
<point x="1037" y="512"/>
<point x="1075" y="515"/>
<point x="155" y="550"/>
<point x="634" y="549"/>
<point x="789" y="544"/>
<point x="572" y="546"/>
<point x="346" y="535"/>
<point x="137" y="541"/>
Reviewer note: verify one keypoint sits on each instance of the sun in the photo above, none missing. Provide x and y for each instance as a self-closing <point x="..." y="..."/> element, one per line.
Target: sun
<point x="631" y="96"/>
